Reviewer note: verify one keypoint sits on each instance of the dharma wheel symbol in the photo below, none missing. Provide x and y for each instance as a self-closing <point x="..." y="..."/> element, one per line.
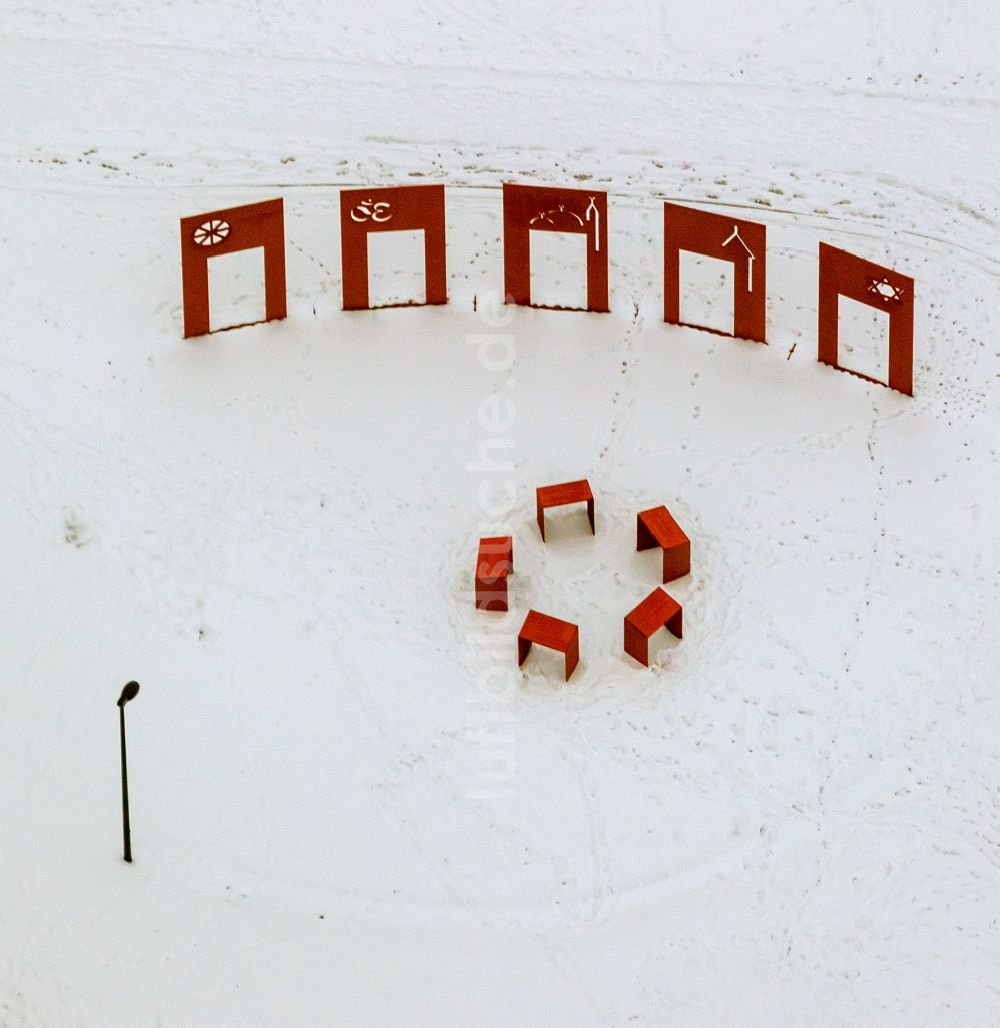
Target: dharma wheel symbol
<point x="211" y="232"/>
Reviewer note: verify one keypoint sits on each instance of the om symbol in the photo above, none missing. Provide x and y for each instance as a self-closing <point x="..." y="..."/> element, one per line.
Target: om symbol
<point x="366" y="210"/>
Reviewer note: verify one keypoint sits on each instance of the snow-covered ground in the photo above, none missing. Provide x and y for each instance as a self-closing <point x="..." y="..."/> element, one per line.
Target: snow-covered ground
<point x="349" y="805"/>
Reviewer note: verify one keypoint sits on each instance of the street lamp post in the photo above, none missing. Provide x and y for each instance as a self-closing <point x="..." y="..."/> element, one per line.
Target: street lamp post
<point x="130" y="692"/>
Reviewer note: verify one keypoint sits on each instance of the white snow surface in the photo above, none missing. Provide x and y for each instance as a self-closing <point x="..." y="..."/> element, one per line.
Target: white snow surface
<point x="349" y="805"/>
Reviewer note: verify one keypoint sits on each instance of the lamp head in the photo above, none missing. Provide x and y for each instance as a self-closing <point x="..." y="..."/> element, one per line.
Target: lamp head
<point x="130" y="692"/>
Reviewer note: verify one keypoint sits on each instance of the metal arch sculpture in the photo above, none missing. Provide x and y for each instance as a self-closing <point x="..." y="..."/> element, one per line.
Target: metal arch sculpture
<point x="553" y="209"/>
<point x="392" y="209"/>
<point x="843" y="274"/>
<point x="742" y="243"/>
<point x="229" y="231"/>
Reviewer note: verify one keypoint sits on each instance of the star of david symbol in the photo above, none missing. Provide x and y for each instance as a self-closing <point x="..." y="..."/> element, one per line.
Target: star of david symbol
<point x="885" y="290"/>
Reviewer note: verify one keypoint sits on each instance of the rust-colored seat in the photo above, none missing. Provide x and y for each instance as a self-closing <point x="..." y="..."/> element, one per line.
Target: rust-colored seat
<point x="549" y="631"/>
<point x="559" y="495"/>
<point x="493" y="564"/>
<point x="655" y="611"/>
<point x="655" y="527"/>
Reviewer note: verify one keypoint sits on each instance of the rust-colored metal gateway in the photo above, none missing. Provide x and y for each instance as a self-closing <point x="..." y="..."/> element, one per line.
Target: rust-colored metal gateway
<point x="229" y="231"/>
<point x="559" y="495"/>
<point x="656" y="527"/>
<point x="655" y="611"/>
<point x="843" y="274"/>
<point x="548" y="631"/>
<point x="494" y="563"/>
<point x="391" y="209"/>
<point x="551" y="209"/>
<point x="742" y="243"/>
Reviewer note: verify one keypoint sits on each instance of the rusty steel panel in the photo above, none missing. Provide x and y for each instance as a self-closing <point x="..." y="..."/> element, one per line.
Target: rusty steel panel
<point x="228" y="231"/>
<point x="552" y="209"/>
<point x="843" y="274"/>
<point x="389" y="209"/>
<point x="742" y="243"/>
